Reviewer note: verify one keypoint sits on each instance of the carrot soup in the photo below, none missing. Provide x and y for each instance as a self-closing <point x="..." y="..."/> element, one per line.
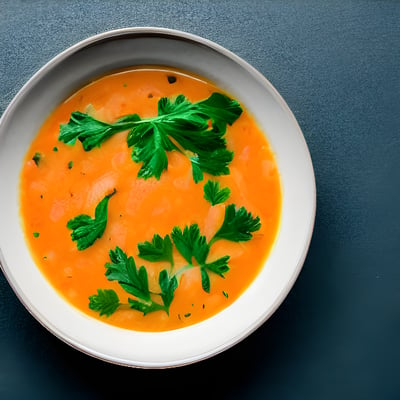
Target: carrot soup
<point x="150" y="199"/>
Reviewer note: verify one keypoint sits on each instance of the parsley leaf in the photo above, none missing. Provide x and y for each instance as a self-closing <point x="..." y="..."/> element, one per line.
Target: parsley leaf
<point x="135" y="282"/>
<point x="238" y="225"/>
<point x="195" y="129"/>
<point x="220" y="267"/>
<point x="106" y="302"/>
<point x="160" y="249"/>
<point x="168" y="285"/>
<point x="86" y="230"/>
<point x="150" y="147"/>
<point x="205" y="280"/>
<point x="214" y="163"/>
<point x="123" y="269"/>
<point x="90" y="131"/>
<point x="190" y="243"/>
<point x="213" y="193"/>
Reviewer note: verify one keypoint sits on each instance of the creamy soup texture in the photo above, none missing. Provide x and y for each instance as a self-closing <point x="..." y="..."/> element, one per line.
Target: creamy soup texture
<point x="60" y="181"/>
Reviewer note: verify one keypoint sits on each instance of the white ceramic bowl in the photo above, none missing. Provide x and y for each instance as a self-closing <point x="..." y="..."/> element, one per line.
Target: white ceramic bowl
<point x="136" y="46"/>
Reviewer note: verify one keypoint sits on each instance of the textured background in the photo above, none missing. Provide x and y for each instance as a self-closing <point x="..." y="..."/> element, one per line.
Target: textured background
<point x="336" y="63"/>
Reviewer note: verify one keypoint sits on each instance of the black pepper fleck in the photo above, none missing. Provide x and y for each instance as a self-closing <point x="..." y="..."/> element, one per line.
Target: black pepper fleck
<point x="171" y="79"/>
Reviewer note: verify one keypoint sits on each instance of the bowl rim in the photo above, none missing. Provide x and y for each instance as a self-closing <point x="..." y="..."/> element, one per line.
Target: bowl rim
<point x="175" y="34"/>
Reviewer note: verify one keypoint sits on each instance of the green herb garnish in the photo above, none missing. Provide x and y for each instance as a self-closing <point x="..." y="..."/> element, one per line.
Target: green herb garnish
<point x="213" y="193"/>
<point x="90" y="131"/>
<point x="188" y="125"/>
<point x="219" y="267"/>
<point x="195" y="129"/>
<point x="106" y="302"/>
<point x="135" y="282"/>
<point x="190" y="244"/>
<point x="37" y="158"/>
<point x="159" y="249"/>
<point x="36" y="234"/>
<point x="86" y="230"/>
<point x="238" y="225"/>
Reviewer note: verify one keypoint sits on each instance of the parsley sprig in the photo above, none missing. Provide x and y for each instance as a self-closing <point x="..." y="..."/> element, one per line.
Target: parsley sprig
<point x="194" y="248"/>
<point x="195" y="129"/>
<point x="159" y="249"/>
<point x="238" y="226"/>
<point x="135" y="282"/>
<point x="85" y="229"/>
<point x="214" y="194"/>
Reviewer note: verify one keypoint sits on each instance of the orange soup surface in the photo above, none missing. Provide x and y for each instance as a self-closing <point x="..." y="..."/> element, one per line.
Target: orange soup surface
<point x="61" y="181"/>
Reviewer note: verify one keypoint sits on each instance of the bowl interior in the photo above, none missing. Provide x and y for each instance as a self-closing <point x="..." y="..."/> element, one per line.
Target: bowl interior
<point x="151" y="46"/>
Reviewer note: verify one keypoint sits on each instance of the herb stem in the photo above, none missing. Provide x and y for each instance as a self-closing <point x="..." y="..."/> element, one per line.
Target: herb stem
<point x="181" y="270"/>
<point x="124" y="306"/>
<point x="196" y="127"/>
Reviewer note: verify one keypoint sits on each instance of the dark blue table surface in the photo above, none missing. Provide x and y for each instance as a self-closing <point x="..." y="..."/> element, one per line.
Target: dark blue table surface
<point x="337" y="334"/>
